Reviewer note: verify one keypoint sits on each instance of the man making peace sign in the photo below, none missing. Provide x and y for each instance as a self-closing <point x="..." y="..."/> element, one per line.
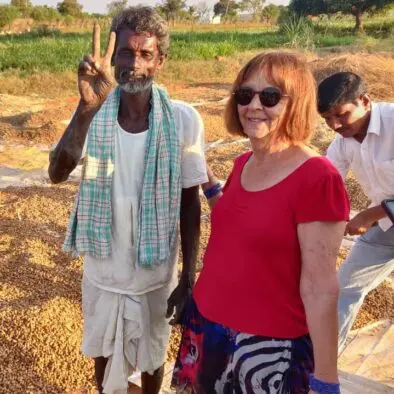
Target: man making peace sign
<point x="143" y="163"/>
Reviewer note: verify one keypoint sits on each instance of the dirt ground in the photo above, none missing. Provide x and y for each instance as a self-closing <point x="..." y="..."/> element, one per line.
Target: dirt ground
<point x="40" y="312"/>
<point x="41" y="321"/>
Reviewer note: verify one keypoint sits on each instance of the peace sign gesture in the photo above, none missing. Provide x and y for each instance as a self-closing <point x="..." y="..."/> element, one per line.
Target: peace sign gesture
<point x="95" y="80"/>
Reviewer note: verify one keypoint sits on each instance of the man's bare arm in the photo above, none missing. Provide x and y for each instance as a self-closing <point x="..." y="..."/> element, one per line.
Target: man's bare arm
<point x="68" y="151"/>
<point x="190" y="217"/>
<point x="95" y="82"/>
<point x="364" y="220"/>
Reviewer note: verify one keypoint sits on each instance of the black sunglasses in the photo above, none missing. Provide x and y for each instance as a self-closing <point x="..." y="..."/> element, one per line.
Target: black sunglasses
<point x="269" y="97"/>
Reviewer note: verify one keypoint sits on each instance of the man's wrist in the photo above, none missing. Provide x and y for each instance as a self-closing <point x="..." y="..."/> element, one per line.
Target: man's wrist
<point x="377" y="213"/>
<point x="372" y="215"/>
<point x="87" y="112"/>
<point x="187" y="278"/>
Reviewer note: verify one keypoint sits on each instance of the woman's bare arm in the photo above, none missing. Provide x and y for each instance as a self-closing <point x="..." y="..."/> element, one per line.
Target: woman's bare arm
<point x="319" y="243"/>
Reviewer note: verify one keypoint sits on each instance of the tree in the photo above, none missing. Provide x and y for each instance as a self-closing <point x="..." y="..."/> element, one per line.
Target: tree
<point x="7" y="15"/>
<point x="284" y="14"/>
<point x="70" y="7"/>
<point x="171" y="9"/>
<point x="43" y="13"/>
<point x="254" y="7"/>
<point x="160" y="10"/>
<point x="271" y="13"/>
<point x="219" y="8"/>
<point x="225" y="8"/>
<point x="23" y="6"/>
<point x="308" y="7"/>
<point x="357" y="8"/>
<point x="21" y="3"/>
<point x="69" y="20"/>
<point x="203" y="11"/>
<point x="116" y="6"/>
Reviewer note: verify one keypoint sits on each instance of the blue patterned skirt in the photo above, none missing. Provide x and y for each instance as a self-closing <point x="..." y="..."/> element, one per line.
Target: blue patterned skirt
<point x="216" y="359"/>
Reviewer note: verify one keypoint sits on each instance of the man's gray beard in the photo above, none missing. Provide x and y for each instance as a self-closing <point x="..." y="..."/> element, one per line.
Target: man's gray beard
<point x="137" y="86"/>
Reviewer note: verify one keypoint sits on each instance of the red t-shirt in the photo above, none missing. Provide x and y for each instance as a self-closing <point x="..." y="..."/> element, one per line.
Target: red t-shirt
<point x="250" y="280"/>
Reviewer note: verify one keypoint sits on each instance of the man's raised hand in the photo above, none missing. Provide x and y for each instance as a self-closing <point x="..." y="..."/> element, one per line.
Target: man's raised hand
<point x="95" y="79"/>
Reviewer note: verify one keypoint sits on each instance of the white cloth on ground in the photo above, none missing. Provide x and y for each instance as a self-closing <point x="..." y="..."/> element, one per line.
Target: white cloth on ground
<point x="372" y="161"/>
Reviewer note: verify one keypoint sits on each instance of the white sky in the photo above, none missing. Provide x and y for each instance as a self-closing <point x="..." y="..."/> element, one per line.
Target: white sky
<point x="99" y="6"/>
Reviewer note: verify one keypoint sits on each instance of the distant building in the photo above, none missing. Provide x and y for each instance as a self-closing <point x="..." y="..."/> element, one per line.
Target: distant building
<point x="216" y="20"/>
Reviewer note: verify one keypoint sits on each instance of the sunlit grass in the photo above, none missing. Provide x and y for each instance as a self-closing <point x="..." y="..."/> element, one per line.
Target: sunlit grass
<point x="62" y="51"/>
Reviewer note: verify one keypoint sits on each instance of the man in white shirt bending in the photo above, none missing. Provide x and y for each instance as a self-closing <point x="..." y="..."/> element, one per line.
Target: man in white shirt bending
<point x="364" y="144"/>
<point x="143" y="164"/>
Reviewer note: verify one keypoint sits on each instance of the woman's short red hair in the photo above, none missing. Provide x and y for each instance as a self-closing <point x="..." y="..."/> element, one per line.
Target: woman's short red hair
<point x="291" y="74"/>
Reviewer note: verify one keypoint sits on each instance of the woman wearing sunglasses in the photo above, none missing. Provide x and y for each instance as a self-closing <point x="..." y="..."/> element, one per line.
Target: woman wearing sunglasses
<point x="263" y="316"/>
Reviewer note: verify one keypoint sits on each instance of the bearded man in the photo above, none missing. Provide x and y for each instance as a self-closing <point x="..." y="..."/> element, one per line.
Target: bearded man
<point x="143" y="162"/>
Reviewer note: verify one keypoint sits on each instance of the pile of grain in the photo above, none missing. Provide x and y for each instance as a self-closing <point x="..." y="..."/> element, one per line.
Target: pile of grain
<point x="377" y="70"/>
<point x="41" y="320"/>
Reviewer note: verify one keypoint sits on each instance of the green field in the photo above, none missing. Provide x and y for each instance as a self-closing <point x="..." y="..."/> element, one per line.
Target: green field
<point x="376" y="27"/>
<point x="62" y="51"/>
<point x="55" y="51"/>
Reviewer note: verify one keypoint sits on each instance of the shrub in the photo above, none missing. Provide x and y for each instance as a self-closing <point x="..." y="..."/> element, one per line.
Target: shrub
<point x="7" y="15"/>
<point x="44" y="13"/>
<point x="298" y="31"/>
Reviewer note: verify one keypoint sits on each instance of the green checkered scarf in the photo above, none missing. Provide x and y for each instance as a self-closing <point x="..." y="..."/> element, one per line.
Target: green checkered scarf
<point x="90" y="227"/>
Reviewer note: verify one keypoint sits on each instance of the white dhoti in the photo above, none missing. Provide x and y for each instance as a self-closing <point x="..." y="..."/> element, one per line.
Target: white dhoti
<point x="131" y="331"/>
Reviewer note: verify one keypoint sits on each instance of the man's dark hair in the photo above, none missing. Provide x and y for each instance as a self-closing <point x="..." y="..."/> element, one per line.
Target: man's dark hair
<point x="143" y="19"/>
<point x="338" y="89"/>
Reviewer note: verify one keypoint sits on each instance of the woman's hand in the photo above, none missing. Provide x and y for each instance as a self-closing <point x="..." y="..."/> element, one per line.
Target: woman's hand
<point x="212" y="181"/>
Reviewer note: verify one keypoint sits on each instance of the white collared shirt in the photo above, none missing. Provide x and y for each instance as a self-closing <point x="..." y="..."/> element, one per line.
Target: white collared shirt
<point x="372" y="161"/>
